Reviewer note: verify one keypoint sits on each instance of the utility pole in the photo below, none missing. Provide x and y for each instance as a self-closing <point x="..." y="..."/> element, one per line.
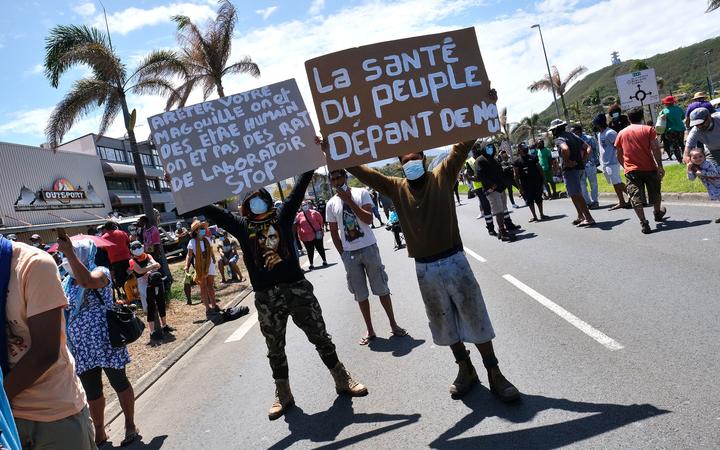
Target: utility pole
<point x="552" y="83"/>
<point x="707" y="54"/>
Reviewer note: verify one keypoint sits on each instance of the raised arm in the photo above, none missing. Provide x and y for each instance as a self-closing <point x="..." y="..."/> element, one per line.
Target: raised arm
<point x="374" y="179"/>
<point x="298" y="193"/>
<point x="221" y="217"/>
<point x="456" y="159"/>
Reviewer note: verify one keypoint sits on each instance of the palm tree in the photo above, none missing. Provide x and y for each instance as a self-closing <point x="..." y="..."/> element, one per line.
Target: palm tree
<point x="712" y="5"/>
<point x="528" y="127"/>
<point x="546" y="84"/>
<point x="68" y="46"/>
<point x="205" y="55"/>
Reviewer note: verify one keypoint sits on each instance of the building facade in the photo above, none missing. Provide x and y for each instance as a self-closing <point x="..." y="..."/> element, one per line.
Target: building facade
<point x="43" y="190"/>
<point x="117" y="164"/>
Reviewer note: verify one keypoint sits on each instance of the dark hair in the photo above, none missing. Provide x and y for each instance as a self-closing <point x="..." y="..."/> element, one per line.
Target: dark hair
<point x="342" y="172"/>
<point x="636" y="115"/>
<point x="110" y="225"/>
<point x="577" y="127"/>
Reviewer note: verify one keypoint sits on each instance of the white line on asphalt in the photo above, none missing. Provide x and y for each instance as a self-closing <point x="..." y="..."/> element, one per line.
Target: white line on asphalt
<point x="305" y="265"/>
<point x="575" y="321"/>
<point x="329" y="241"/>
<point x="243" y="329"/>
<point x="474" y="255"/>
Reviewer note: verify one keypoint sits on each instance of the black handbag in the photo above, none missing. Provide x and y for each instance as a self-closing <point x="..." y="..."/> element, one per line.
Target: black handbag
<point x="124" y="327"/>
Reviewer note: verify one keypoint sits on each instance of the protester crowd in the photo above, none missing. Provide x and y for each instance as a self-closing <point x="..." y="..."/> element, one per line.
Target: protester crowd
<point x="55" y="300"/>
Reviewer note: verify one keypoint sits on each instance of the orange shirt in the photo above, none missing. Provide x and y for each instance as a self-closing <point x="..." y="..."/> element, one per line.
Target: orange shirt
<point x="635" y="142"/>
<point x="34" y="289"/>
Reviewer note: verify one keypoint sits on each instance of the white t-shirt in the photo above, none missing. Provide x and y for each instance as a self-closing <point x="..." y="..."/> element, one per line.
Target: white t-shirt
<point x="191" y="244"/>
<point x="354" y="233"/>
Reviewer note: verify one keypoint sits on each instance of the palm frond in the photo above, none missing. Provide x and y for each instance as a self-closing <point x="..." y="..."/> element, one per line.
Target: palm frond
<point x="84" y="96"/>
<point x="153" y="86"/>
<point x="576" y="72"/>
<point x="160" y="64"/>
<point x="712" y="5"/>
<point x="103" y="62"/>
<point x="112" y="108"/>
<point x="541" y="85"/>
<point x="64" y="39"/>
<point x="224" y="27"/>
<point x="245" y="65"/>
<point x="180" y="96"/>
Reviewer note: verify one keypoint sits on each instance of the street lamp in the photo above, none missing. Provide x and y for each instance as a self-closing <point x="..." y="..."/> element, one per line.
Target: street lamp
<point x="707" y="54"/>
<point x="552" y="84"/>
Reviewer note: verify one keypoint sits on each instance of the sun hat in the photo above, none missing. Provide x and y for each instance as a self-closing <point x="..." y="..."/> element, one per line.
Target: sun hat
<point x="699" y="95"/>
<point x="197" y="225"/>
<point x="556" y="123"/>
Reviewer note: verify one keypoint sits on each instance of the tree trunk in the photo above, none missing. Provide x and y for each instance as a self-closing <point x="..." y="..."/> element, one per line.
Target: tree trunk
<point x="220" y="89"/>
<point x="565" y="110"/>
<point x="148" y="209"/>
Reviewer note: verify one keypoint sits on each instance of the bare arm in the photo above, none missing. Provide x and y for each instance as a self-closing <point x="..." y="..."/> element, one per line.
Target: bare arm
<point x="335" y="235"/>
<point x="45" y="329"/>
<point x="84" y="278"/>
<point x="188" y="259"/>
<point x="655" y="147"/>
<point x="565" y="152"/>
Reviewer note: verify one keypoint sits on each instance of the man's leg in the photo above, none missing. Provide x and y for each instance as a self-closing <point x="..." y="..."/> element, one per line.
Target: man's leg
<point x="499" y="385"/>
<point x="531" y="205"/>
<point x="365" y="310"/>
<point x="583" y="187"/>
<point x="272" y="316"/>
<point x="591" y="172"/>
<point x="485" y="211"/>
<point x="307" y="315"/>
<point x="357" y="286"/>
<point x="635" y="190"/>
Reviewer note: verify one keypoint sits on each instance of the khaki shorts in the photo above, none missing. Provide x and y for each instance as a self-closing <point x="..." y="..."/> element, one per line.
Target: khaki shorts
<point x="454" y="304"/>
<point x="361" y="264"/>
<point x="498" y="202"/>
<point x="612" y="173"/>
<point x="640" y="180"/>
<point x="71" y="433"/>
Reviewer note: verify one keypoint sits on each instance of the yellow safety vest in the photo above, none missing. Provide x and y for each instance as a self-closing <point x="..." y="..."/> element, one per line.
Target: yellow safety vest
<point x="471" y="161"/>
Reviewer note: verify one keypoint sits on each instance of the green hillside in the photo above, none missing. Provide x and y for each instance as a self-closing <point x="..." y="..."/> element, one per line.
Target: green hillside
<point x="682" y="70"/>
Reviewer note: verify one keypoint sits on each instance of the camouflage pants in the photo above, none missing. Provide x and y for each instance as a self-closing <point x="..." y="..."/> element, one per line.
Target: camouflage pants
<point x="295" y="300"/>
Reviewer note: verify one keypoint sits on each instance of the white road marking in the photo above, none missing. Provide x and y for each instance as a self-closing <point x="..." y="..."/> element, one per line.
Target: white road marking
<point x="243" y="329"/>
<point x="305" y="265"/>
<point x="575" y="321"/>
<point x="329" y="241"/>
<point x="475" y="255"/>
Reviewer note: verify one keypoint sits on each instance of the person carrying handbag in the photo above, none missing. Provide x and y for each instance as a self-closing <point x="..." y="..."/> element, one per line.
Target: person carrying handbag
<point x="309" y="224"/>
<point x="90" y="296"/>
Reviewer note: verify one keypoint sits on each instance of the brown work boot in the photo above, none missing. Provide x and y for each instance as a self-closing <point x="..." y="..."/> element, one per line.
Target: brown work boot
<point x="283" y="399"/>
<point x="500" y="386"/>
<point x="465" y="380"/>
<point x="344" y="383"/>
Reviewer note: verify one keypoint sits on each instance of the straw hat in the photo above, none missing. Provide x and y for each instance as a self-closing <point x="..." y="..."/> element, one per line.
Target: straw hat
<point x="196" y="225"/>
<point x="699" y="95"/>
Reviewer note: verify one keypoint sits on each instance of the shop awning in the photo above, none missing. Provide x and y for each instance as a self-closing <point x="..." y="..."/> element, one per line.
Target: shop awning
<point x="127" y="170"/>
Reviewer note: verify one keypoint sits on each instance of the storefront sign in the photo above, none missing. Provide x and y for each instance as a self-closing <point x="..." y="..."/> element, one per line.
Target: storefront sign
<point x="63" y="195"/>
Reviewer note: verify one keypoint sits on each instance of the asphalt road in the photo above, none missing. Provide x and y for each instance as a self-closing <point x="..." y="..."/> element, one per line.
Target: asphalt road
<point x="612" y="339"/>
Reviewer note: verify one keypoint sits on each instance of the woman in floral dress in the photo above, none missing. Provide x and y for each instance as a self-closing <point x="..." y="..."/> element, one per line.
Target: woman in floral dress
<point x="90" y="295"/>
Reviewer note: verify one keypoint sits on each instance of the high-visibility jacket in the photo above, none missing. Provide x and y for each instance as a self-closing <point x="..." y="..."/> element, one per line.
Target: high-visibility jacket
<point x="470" y="163"/>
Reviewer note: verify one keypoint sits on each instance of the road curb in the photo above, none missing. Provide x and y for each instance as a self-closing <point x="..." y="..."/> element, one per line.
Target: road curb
<point x="113" y="410"/>
<point x="700" y="198"/>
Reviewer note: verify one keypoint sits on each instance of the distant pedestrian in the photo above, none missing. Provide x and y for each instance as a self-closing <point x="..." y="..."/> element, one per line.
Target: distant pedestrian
<point x="456" y="191"/>
<point x="149" y="236"/>
<point x="507" y="167"/>
<point x="396" y="228"/>
<point x="609" y="159"/>
<point x="89" y="292"/>
<point x="349" y="212"/>
<point x="376" y="208"/>
<point x="573" y="152"/>
<point x="386" y="204"/>
<point x="705" y="129"/>
<point x="674" y="135"/>
<point x="699" y="100"/>
<point x="46" y="396"/>
<point x="639" y="153"/>
<point x="118" y="254"/>
<point x="589" y="175"/>
<point x="547" y="163"/>
<point x="228" y="258"/>
<point x="490" y="173"/>
<point x="201" y="255"/>
<point x="529" y="175"/>
<point x="618" y="120"/>
<point x="310" y="230"/>
<point x="150" y="288"/>
<point x="477" y="189"/>
<point x="37" y="241"/>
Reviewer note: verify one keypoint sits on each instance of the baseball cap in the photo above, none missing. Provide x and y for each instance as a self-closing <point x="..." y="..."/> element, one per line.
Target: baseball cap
<point x="36" y="237"/>
<point x="669" y="100"/>
<point x="698" y="116"/>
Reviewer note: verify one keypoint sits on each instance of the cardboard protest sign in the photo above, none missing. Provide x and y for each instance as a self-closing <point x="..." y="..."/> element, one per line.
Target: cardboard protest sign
<point x="234" y="144"/>
<point x="396" y="97"/>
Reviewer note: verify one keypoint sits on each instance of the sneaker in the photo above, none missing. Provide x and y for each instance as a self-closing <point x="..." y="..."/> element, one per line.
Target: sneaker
<point x="168" y="329"/>
<point x="492" y="232"/>
<point x="594" y="205"/>
<point x="156" y="335"/>
<point x="645" y="227"/>
<point x="480" y="216"/>
<point x="660" y="215"/>
<point x="511" y="226"/>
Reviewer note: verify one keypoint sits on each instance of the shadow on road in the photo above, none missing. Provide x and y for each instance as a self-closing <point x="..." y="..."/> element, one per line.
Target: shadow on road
<point x="482" y="404"/>
<point x="155" y="444"/>
<point x="320" y="267"/>
<point x="555" y="217"/>
<point x="667" y="225"/>
<point x="398" y="345"/>
<point x="326" y="426"/>
<point x="607" y="225"/>
<point x="525" y="235"/>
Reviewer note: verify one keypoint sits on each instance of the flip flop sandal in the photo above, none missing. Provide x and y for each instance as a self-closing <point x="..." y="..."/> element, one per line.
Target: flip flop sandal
<point x="366" y="340"/>
<point x="585" y="223"/>
<point x="130" y="438"/>
<point x="576" y="222"/>
<point x="399" y="332"/>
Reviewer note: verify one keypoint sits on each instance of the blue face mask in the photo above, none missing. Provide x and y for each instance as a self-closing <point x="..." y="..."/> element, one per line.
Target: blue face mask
<point x="414" y="169"/>
<point x="489" y="151"/>
<point x="258" y="205"/>
<point x="202" y="232"/>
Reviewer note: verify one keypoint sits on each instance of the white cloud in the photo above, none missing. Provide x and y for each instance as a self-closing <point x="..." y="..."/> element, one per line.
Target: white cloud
<point x="85" y="9"/>
<point x="316" y="6"/>
<point x="266" y="12"/>
<point x="131" y="19"/>
<point x="37" y="69"/>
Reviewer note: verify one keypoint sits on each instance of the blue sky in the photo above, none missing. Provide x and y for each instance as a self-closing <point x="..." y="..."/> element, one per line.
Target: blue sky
<point x="281" y="35"/>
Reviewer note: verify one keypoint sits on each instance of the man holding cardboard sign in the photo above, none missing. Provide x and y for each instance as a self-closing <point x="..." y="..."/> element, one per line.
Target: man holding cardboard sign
<point x="381" y="100"/>
<point x="453" y="300"/>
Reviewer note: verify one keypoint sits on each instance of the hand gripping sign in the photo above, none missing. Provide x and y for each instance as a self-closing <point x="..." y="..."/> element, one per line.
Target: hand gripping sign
<point x="397" y="97"/>
<point x="225" y="147"/>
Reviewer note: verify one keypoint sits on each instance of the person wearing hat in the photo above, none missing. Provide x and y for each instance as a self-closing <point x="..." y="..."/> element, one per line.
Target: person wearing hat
<point x="37" y="242"/>
<point x="589" y="175"/>
<point x="608" y="158"/>
<point x="699" y="100"/>
<point x="639" y="153"/>
<point x="674" y="136"/>
<point x="706" y="129"/>
<point x="11" y="237"/>
<point x="574" y="152"/>
<point x="201" y="255"/>
<point x="281" y="290"/>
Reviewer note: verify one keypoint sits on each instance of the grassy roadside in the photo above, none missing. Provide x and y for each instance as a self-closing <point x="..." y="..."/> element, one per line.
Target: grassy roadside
<point x="675" y="180"/>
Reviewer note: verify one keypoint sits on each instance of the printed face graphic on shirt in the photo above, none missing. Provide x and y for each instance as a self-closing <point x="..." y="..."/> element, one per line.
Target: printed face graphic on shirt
<point x="268" y="249"/>
<point x="351" y="226"/>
